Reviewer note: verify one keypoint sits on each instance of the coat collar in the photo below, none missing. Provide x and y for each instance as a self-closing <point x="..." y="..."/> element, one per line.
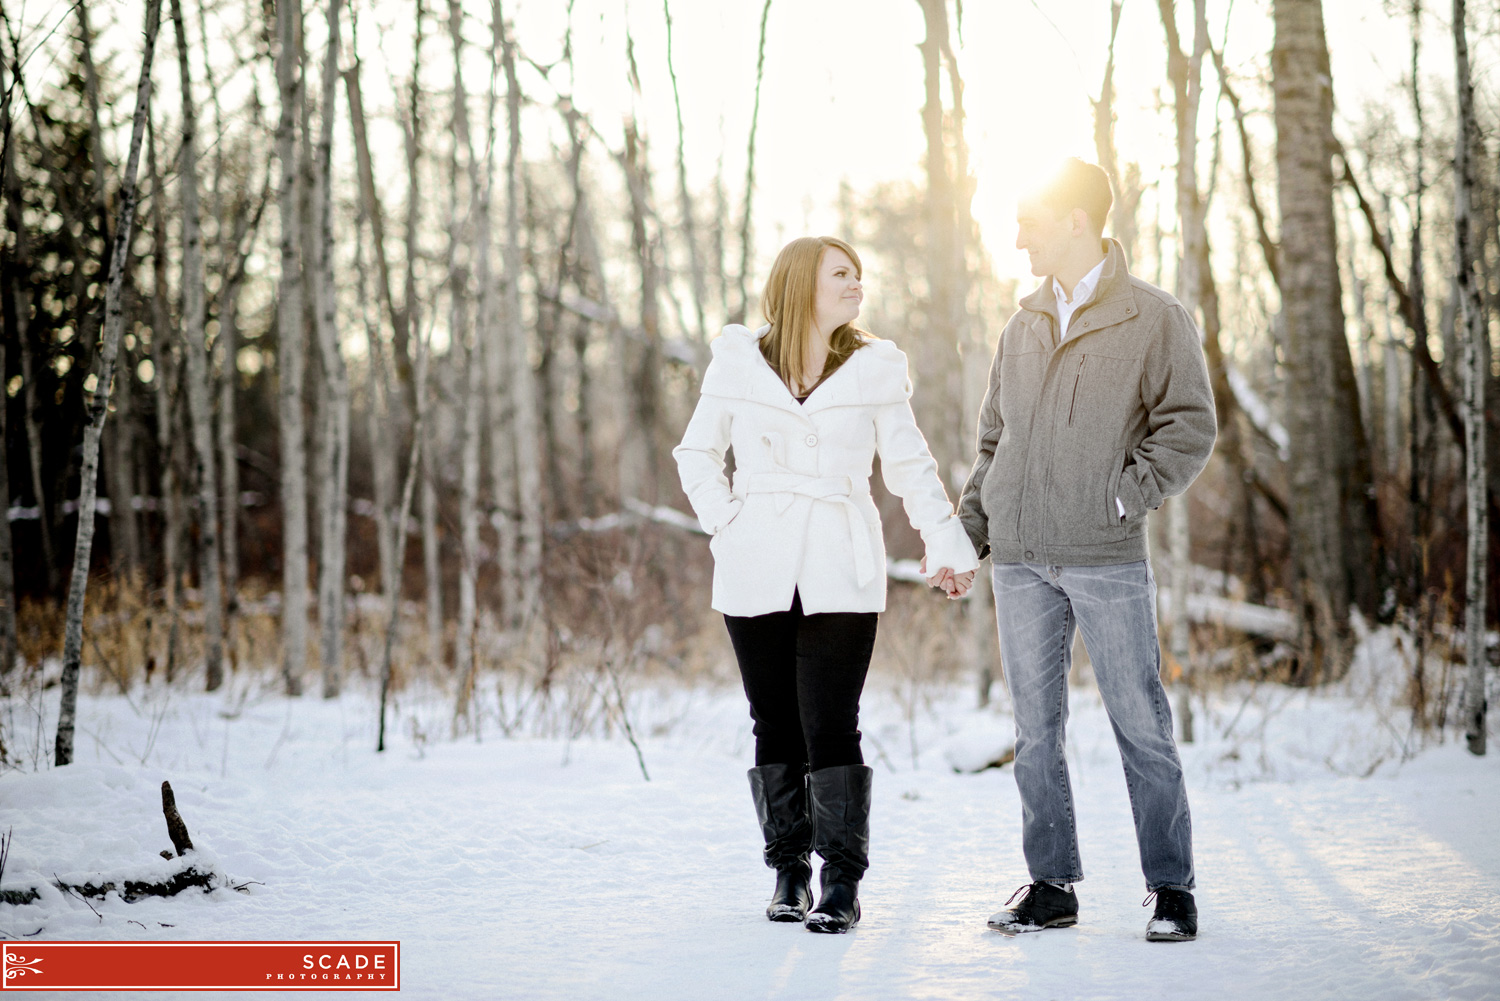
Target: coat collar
<point x="1113" y="301"/>
<point x="876" y="373"/>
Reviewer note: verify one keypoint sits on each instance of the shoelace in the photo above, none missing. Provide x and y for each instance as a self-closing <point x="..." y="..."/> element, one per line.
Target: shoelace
<point x="1149" y="897"/>
<point x="1021" y="892"/>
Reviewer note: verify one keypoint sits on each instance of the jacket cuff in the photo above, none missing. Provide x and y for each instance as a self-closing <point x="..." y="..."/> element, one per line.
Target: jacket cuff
<point x="1133" y="496"/>
<point x="948" y="546"/>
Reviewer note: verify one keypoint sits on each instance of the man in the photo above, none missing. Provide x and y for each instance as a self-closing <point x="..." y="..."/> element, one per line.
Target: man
<point x="1098" y="409"/>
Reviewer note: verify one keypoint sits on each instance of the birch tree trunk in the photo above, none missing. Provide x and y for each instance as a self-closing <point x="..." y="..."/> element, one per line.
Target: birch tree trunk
<point x="413" y="473"/>
<point x="289" y="357"/>
<point x="379" y="415"/>
<point x="195" y="351"/>
<point x="524" y="422"/>
<point x="1186" y="72"/>
<point x="98" y="407"/>
<point x="333" y="478"/>
<point x="471" y="338"/>
<point x="1474" y="334"/>
<point x="413" y="137"/>
<point x="1333" y="532"/>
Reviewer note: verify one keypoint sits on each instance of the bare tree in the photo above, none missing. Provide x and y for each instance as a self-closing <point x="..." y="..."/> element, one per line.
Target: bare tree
<point x="98" y="409"/>
<point x="1186" y="72"/>
<point x="1122" y="217"/>
<point x="164" y="374"/>
<point x="195" y="352"/>
<point x="1475" y="335"/>
<point x="1333" y="523"/>
<point x="119" y="439"/>
<point x="523" y="396"/>
<point x="289" y="357"/>
<point x="474" y="338"/>
<point x="7" y="326"/>
<point x="742" y="275"/>
<point x="684" y="196"/>
<point x="333" y="479"/>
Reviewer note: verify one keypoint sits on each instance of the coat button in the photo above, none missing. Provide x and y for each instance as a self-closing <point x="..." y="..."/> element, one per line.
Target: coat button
<point x="812" y="440"/>
<point x="1028" y="555"/>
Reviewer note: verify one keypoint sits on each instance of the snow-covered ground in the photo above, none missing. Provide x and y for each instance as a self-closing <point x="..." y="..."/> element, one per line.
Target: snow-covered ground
<point x="1335" y="858"/>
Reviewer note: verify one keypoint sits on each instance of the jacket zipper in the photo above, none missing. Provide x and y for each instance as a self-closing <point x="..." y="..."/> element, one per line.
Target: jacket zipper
<point x="1073" y="403"/>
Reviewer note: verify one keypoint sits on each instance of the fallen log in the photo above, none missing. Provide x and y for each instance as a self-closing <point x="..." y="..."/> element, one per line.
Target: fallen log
<point x="195" y="871"/>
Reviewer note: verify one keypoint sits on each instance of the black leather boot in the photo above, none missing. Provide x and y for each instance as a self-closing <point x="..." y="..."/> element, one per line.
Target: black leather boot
<point x="780" y="793"/>
<point x="840" y="799"/>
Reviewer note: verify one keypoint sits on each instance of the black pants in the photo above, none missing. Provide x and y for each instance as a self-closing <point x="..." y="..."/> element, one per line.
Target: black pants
<point x="803" y="675"/>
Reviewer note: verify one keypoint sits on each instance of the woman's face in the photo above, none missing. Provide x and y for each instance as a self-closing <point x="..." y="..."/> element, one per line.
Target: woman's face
<point x="839" y="290"/>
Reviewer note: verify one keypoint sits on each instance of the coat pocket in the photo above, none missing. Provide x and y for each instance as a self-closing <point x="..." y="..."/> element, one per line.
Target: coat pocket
<point x="1112" y="491"/>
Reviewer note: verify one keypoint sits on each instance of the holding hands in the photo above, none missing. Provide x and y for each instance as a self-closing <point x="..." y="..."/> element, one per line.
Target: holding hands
<point x="954" y="585"/>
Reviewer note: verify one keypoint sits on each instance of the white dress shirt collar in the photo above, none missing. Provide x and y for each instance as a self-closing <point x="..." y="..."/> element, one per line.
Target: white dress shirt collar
<point x="1082" y="292"/>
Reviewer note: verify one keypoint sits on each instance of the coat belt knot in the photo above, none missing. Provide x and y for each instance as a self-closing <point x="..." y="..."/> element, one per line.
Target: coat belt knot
<point x="787" y="486"/>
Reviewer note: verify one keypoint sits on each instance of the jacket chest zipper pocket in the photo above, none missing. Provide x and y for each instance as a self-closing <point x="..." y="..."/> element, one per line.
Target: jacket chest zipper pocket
<point x="1077" y="378"/>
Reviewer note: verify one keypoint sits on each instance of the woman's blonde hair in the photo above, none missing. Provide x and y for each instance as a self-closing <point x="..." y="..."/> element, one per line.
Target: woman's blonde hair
<point x="789" y="303"/>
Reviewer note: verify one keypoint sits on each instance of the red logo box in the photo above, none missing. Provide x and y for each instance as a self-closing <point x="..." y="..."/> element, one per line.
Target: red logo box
<point x="203" y="966"/>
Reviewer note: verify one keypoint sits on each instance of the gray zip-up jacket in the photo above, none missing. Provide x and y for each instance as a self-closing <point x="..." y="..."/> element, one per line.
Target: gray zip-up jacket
<point x="1122" y="408"/>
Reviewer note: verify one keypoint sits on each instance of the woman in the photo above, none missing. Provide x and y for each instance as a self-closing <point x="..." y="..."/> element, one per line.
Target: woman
<point x="799" y="558"/>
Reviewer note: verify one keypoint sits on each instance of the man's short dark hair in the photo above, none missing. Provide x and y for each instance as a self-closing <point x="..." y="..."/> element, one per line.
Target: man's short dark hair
<point x="1078" y="185"/>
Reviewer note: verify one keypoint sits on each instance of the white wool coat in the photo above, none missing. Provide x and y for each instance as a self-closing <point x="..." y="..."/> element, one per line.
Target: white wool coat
<point x="799" y="515"/>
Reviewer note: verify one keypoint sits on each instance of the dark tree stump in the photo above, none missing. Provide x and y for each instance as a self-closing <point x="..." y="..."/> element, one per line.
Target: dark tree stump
<point x="176" y="829"/>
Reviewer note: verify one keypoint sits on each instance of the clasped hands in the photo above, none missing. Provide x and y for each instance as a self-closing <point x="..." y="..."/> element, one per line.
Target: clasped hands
<point x="954" y="585"/>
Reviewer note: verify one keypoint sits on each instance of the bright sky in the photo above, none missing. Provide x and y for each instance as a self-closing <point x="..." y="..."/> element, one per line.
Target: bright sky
<point x="843" y="86"/>
<point x="844" y="89"/>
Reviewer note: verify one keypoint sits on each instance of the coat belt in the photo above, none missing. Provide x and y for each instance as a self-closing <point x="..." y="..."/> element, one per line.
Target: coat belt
<point x="831" y="489"/>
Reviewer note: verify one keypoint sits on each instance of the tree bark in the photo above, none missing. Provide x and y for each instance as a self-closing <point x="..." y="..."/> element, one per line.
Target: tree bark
<point x="168" y="485"/>
<point x="1333" y="525"/>
<point x="1186" y="73"/>
<point x="1474" y="335"/>
<point x="98" y="408"/>
<point x="195" y="351"/>
<point x="400" y="318"/>
<point x="8" y="267"/>
<point x="524" y="422"/>
<point x="333" y="477"/>
<point x="470" y="337"/>
<point x="289" y="360"/>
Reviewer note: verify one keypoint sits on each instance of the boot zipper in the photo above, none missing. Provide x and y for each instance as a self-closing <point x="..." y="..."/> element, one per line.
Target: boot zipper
<point x="1072" y="404"/>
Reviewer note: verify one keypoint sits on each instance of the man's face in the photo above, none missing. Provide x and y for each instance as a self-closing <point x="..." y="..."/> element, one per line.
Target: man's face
<point x="1043" y="234"/>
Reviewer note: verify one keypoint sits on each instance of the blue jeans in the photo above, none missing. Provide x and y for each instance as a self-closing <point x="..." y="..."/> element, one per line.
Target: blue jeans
<point x="1038" y="610"/>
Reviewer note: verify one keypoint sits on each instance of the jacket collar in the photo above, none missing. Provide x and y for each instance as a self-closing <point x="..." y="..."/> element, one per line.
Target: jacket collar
<point x="740" y="371"/>
<point x="1113" y="301"/>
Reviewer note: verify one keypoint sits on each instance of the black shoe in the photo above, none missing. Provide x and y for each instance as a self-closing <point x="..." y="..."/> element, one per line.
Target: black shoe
<point x="1175" y="918"/>
<point x="839" y="798"/>
<point x="780" y="793"/>
<point x="838" y="905"/>
<point x="1042" y="905"/>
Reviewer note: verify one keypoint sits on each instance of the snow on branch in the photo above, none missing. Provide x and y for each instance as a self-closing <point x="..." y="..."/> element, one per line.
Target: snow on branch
<point x="1258" y="411"/>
